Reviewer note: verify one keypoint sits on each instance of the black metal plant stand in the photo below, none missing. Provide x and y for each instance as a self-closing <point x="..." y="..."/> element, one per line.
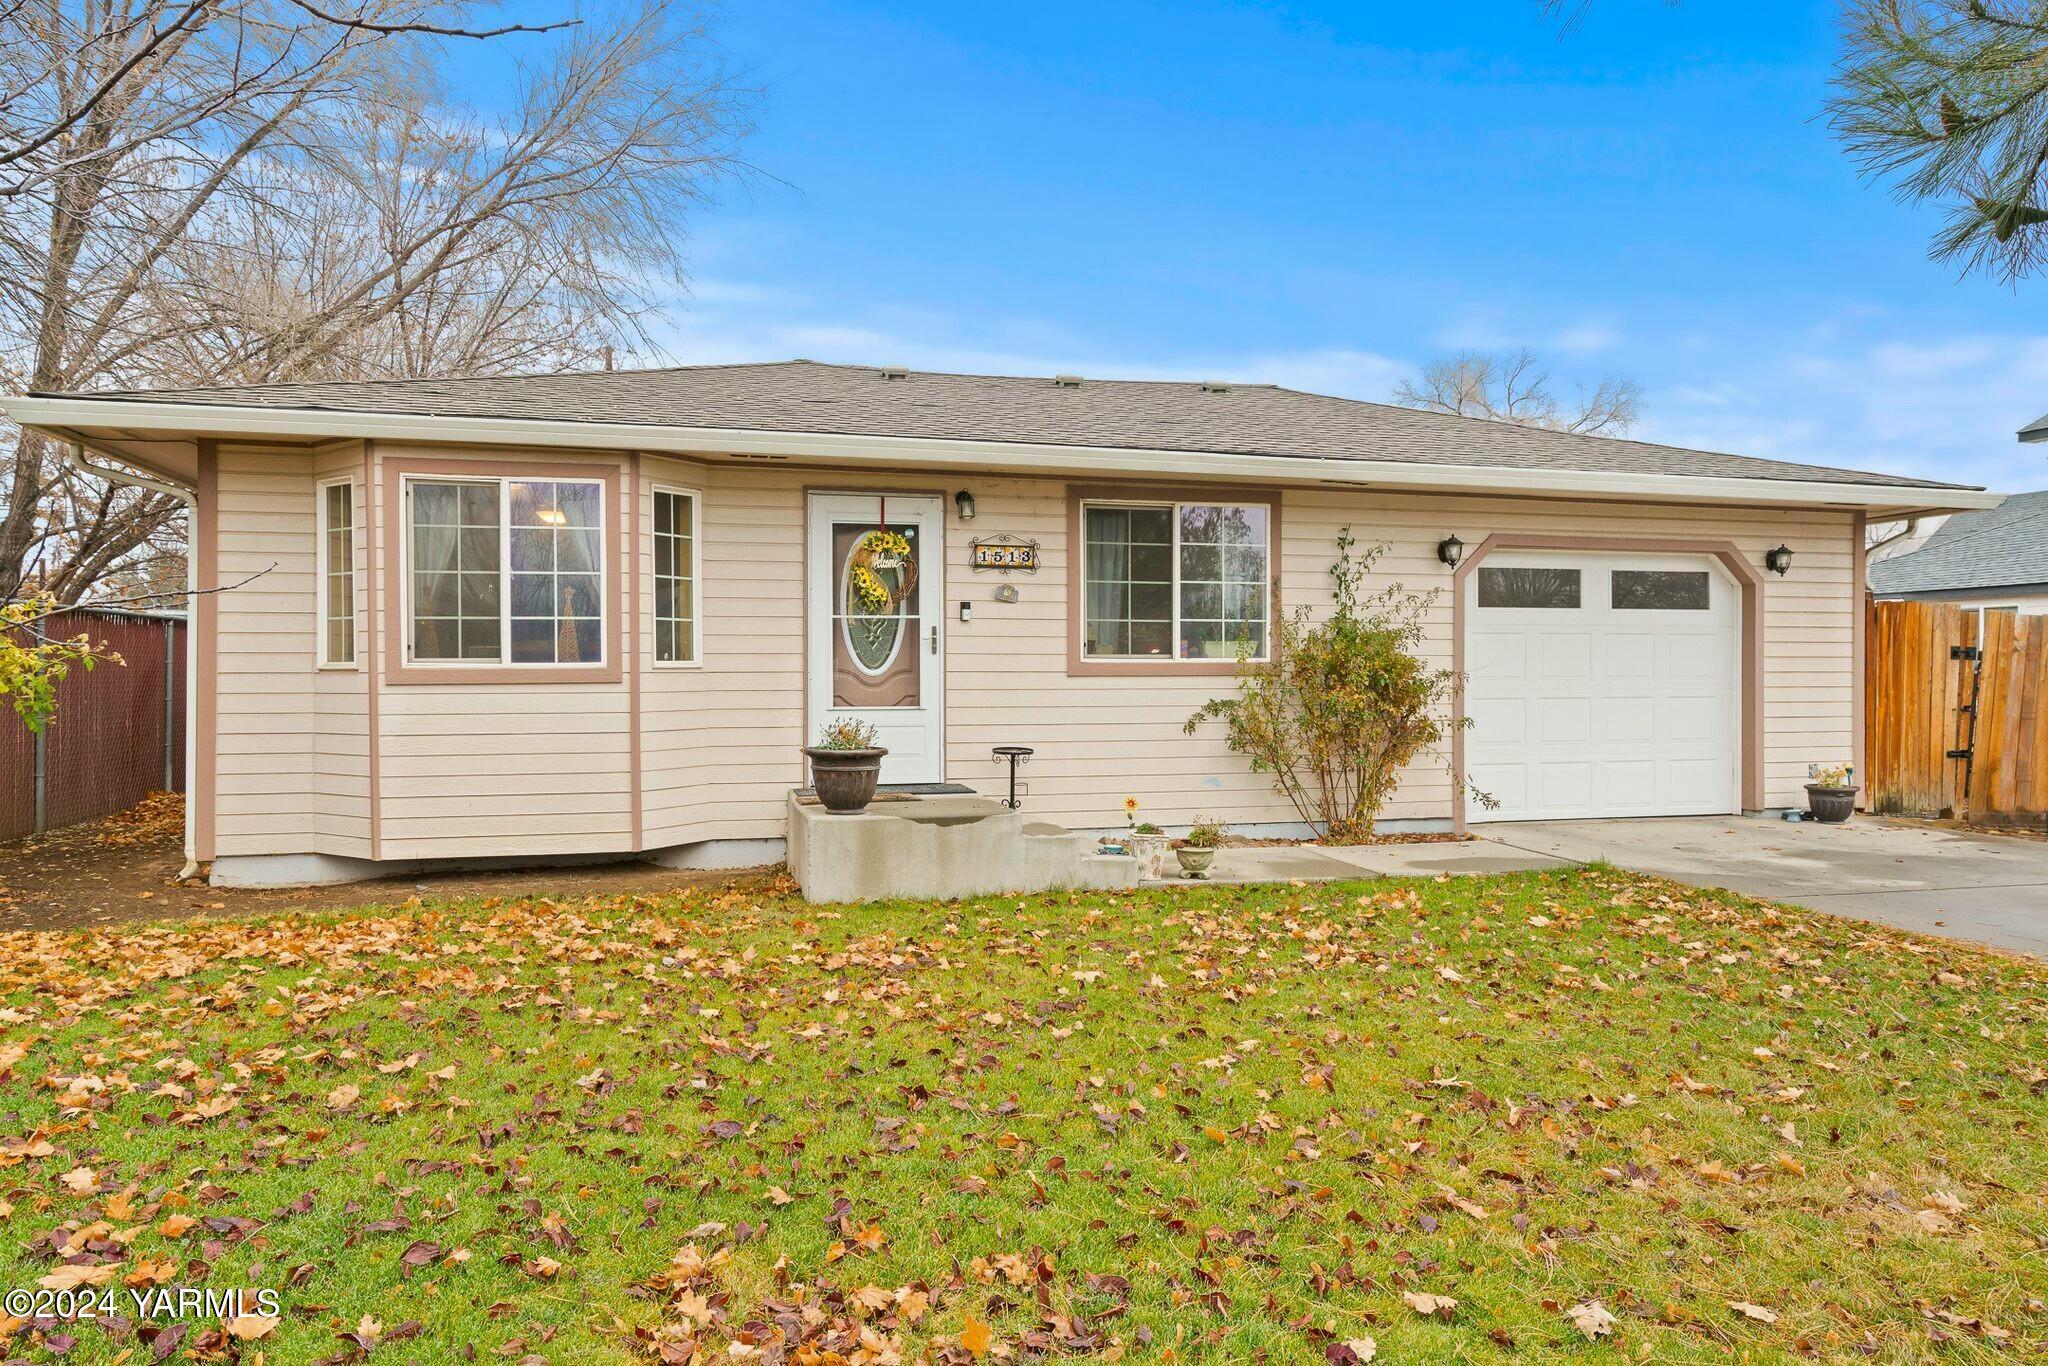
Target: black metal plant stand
<point x="1015" y="754"/>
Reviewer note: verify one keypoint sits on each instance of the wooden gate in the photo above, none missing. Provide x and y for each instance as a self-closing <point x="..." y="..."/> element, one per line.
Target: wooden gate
<point x="1958" y="723"/>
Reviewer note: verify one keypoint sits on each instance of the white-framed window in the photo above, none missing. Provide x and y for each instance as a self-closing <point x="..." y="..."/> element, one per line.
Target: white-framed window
<point x="1175" y="580"/>
<point x="504" y="571"/>
<point x="336" y="555"/>
<point x="676" y="550"/>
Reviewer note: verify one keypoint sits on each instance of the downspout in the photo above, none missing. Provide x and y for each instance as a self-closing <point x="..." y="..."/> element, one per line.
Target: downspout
<point x="1911" y="525"/>
<point x="74" y="456"/>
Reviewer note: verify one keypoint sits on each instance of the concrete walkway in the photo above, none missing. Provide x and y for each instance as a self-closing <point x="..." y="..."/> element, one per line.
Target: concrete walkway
<point x="1986" y="888"/>
<point x="1992" y="889"/>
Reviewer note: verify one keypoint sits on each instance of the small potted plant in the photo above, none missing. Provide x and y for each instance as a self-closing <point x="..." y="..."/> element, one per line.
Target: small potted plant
<point x="1146" y="841"/>
<point x="1196" y="850"/>
<point x="845" y="765"/>
<point x="1831" y="793"/>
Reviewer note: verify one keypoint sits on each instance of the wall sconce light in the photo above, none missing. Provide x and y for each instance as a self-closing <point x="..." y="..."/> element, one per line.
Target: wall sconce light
<point x="1450" y="550"/>
<point x="963" y="503"/>
<point x="1779" y="560"/>
<point x="966" y="611"/>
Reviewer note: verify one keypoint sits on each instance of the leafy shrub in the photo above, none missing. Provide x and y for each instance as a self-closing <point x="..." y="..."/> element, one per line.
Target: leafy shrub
<point x="33" y="661"/>
<point x="1205" y="833"/>
<point x="1343" y="704"/>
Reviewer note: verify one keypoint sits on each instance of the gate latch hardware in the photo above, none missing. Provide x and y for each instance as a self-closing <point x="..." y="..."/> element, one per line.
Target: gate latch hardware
<point x="1965" y="652"/>
<point x="1959" y="754"/>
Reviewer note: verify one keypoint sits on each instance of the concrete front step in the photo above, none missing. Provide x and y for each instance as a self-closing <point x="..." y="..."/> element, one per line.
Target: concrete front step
<point x="937" y="848"/>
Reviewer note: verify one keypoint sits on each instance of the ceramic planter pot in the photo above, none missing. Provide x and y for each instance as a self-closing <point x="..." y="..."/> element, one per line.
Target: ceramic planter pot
<point x="1194" y="862"/>
<point x="1830" y="804"/>
<point x="845" y="779"/>
<point x="1150" y="852"/>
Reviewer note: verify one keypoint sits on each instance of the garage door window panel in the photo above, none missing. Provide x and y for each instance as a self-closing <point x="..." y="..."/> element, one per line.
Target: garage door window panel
<point x="1660" y="590"/>
<point x="1500" y="586"/>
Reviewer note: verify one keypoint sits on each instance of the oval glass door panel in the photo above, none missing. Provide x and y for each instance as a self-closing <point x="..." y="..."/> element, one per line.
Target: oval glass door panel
<point x="875" y="616"/>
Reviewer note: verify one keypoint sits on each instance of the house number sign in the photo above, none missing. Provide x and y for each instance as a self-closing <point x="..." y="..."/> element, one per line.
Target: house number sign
<point x="1005" y="554"/>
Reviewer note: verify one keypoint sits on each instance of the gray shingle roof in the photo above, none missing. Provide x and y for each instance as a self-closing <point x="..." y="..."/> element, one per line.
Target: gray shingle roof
<point x="2037" y="430"/>
<point x="806" y="396"/>
<point x="2000" y="547"/>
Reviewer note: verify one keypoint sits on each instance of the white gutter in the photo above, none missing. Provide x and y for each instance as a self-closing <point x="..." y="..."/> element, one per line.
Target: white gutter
<point x="74" y="456"/>
<point x="1021" y="457"/>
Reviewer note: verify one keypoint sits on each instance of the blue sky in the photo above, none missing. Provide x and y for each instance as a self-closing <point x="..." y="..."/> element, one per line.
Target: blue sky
<point x="1327" y="195"/>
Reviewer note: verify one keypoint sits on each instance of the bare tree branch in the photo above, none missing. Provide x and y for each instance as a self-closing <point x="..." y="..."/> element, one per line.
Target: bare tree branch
<point x="439" y="30"/>
<point x="281" y="190"/>
<point x="1513" y="388"/>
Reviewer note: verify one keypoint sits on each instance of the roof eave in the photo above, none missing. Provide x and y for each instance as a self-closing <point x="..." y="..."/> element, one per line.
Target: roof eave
<point x="221" y="420"/>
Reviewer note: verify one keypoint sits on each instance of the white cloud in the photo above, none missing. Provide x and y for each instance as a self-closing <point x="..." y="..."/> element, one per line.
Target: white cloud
<point x="1010" y="347"/>
<point x="1942" y="408"/>
<point x="1842" y="391"/>
<point x="1585" y="339"/>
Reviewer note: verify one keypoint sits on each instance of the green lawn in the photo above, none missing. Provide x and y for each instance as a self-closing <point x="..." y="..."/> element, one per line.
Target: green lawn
<point x="1216" y="1124"/>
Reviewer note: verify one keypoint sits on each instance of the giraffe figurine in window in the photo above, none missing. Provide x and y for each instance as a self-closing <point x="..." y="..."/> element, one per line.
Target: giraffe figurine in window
<point x="566" y="649"/>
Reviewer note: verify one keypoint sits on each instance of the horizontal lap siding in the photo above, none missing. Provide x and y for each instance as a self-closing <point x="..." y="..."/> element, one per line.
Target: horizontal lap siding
<point x="341" y="737"/>
<point x="1096" y="741"/>
<point x="484" y="770"/>
<point x="1809" y="615"/>
<point x="264" y="786"/>
<point x="720" y="742"/>
<point x="498" y="770"/>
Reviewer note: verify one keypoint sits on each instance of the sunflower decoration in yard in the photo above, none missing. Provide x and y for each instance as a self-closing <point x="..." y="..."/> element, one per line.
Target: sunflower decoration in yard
<point x="881" y="577"/>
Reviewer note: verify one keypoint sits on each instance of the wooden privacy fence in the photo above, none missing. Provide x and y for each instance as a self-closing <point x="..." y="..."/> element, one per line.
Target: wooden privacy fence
<point x="1958" y="719"/>
<point x="118" y="735"/>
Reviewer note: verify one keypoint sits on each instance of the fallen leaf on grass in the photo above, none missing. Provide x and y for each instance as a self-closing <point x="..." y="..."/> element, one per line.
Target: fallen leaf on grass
<point x="1754" y="1311"/>
<point x="977" y="1337"/>
<point x="73" y="1275"/>
<point x="1426" y="1304"/>
<point x="1461" y="1204"/>
<point x="1591" y="1318"/>
<point x="341" y="1097"/>
<point x="249" y="1327"/>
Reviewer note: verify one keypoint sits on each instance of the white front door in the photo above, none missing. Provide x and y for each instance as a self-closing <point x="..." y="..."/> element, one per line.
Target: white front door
<point x="874" y="614"/>
<point x="1601" y="685"/>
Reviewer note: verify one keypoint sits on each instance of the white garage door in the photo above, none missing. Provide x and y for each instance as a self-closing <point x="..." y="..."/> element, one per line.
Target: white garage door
<point x="1601" y="685"/>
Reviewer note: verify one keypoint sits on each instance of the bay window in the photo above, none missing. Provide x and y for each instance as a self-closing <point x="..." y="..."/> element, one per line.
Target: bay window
<point x="504" y="571"/>
<point x="1178" y="581"/>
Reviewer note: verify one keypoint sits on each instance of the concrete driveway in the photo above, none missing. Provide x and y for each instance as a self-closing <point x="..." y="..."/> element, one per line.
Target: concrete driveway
<point x="1987" y="888"/>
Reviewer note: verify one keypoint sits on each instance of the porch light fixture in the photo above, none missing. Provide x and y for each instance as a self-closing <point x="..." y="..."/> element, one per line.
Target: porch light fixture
<point x="1778" y="561"/>
<point x="1450" y="550"/>
<point x="963" y="503"/>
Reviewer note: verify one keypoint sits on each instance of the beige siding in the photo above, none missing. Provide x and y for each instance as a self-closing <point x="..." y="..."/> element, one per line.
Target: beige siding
<point x="1809" y="618"/>
<point x="486" y="770"/>
<point x="264" y="802"/>
<point x="341" y="693"/>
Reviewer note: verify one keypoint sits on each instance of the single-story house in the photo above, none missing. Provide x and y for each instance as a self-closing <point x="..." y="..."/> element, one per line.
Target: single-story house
<point x="1993" y="559"/>
<point x="597" y="614"/>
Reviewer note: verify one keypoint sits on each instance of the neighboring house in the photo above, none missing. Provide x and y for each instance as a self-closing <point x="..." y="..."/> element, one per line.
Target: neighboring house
<point x="1994" y="558"/>
<point x="595" y="614"/>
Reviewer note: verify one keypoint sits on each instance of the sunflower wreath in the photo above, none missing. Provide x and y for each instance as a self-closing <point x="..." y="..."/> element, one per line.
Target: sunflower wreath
<point x="880" y="603"/>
